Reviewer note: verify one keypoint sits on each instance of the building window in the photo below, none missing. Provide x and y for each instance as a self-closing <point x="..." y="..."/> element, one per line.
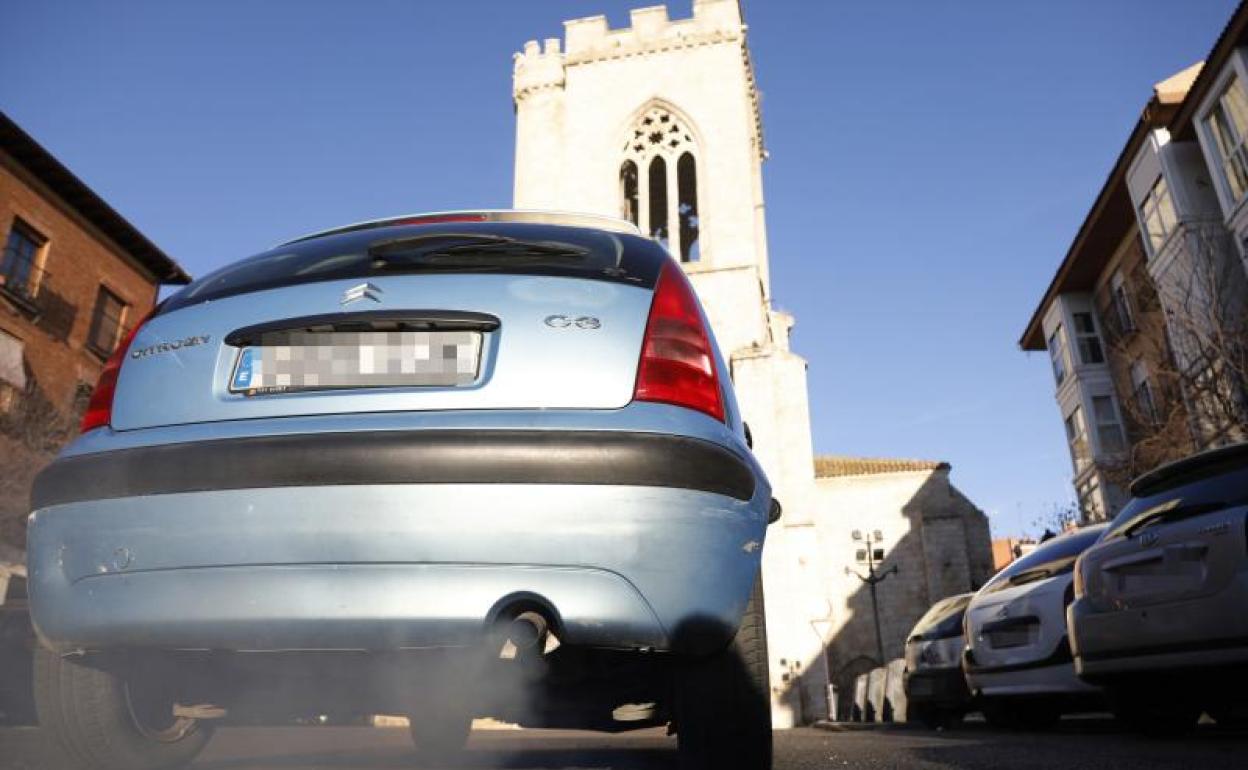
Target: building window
<point x="628" y="191"/>
<point x="658" y="201"/>
<point x="659" y="182"/>
<point x="105" y="322"/>
<point x="1122" y="303"/>
<point x="1108" y="426"/>
<point x="1086" y="338"/>
<point x="1057" y="353"/>
<point x="1077" y="437"/>
<point x="1142" y="393"/>
<point x="687" y="208"/>
<point x="1157" y="215"/>
<point x="18" y="271"/>
<point x="1228" y="126"/>
<point x="1090" y="502"/>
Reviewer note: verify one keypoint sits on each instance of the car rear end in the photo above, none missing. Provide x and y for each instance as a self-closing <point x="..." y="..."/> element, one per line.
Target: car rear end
<point x="936" y="692"/>
<point x="1018" y="655"/>
<point x="391" y="435"/>
<point x="1160" y="602"/>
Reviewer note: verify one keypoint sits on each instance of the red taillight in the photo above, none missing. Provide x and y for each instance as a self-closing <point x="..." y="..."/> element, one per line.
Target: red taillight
<point x="100" y="407"/>
<point x="677" y="361"/>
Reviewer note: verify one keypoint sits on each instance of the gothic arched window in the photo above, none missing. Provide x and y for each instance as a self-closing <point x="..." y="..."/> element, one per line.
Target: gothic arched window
<point x="663" y="202"/>
<point x="687" y="206"/>
<point x="628" y="191"/>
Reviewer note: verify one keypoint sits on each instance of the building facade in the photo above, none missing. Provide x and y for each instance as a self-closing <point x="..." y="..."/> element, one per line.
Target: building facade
<point x="659" y="123"/>
<point x="74" y="276"/>
<point x="1146" y="320"/>
<point x="903" y="519"/>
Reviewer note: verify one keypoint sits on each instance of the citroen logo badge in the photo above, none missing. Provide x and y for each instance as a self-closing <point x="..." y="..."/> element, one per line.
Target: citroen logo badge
<point x="359" y="292"/>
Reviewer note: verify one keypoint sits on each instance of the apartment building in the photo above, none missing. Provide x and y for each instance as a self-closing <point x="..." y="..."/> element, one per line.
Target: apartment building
<point x="74" y="275"/>
<point x="1144" y="321"/>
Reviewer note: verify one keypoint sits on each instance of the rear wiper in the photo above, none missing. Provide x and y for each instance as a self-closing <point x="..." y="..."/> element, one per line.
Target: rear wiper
<point x="1171" y="511"/>
<point x="1030" y="576"/>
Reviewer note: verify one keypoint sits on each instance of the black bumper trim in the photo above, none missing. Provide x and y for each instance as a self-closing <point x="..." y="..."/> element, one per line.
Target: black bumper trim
<point x="399" y="457"/>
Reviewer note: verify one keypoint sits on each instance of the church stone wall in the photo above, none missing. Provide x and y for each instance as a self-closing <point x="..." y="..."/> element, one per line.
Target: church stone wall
<point x="936" y="539"/>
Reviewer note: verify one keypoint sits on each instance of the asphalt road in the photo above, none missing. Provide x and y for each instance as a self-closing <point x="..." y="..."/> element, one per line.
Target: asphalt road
<point x="1095" y="746"/>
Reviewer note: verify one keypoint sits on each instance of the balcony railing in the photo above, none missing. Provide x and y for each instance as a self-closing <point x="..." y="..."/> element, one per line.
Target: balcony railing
<point x="21" y="278"/>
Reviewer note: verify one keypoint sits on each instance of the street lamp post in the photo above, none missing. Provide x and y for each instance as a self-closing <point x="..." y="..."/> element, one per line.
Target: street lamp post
<point x="872" y="580"/>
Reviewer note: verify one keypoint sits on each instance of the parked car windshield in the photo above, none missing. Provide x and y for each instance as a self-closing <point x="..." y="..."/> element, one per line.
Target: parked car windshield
<point x="944" y="619"/>
<point x="477" y="247"/>
<point x="1055" y="557"/>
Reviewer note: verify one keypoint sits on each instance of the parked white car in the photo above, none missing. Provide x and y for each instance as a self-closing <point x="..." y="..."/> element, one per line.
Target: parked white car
<point x="1018" y="662"/>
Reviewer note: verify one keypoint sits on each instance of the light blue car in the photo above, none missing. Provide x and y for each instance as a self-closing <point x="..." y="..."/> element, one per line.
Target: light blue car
<point x="448" y="466"/>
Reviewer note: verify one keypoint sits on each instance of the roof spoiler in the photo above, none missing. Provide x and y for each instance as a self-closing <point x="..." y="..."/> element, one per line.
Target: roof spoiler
<point x="566" y="218"/>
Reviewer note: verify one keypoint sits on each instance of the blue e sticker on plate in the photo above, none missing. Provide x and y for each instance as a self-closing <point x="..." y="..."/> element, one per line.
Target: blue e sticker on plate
<point x="242" y="372"/>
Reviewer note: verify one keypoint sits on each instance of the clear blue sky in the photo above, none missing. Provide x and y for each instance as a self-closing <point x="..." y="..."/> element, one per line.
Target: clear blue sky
<point x="930" y="163"/>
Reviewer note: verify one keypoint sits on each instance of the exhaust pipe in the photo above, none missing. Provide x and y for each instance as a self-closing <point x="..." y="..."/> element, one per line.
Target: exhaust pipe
<point x="527" y="631"/>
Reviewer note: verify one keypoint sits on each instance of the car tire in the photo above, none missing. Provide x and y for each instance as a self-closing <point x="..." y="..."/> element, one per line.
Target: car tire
<point x="1021" y="715"/>
<point x="96" y="719"/>
<point x="1146" y="713"/>
<point x="723" y="702"/>
<point x="439" y="735"/>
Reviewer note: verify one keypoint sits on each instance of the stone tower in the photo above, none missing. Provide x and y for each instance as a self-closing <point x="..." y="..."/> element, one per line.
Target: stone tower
<point x="659" y="123"/>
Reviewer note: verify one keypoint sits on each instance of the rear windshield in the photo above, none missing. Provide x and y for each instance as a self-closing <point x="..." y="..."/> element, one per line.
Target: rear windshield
<point x="1055" y="557"/>
<point x="1204" y="490"/>
<point x="943" y="620"/>
<point x="475" y="247"/>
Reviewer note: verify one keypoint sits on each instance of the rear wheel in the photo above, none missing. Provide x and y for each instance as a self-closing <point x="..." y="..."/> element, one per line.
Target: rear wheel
<point x="723" y="703"/>
<point x="98" y="719"/>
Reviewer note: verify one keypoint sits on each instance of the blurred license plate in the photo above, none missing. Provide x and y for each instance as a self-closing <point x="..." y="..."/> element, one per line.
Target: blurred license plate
<point x="1014" y="637"/>
<point x="336" y="360"/>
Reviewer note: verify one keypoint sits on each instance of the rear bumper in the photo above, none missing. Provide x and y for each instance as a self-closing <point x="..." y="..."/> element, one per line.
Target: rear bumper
<point x="1053" y="674"/>
<point x="358" y="541"/>
<point x="941" y="687"/>
<point x="1208" y="633"/>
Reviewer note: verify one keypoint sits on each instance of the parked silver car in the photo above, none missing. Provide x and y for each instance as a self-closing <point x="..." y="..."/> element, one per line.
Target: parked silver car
<point x="936" y="692"/>
<point x="450" y="466"/>
<point x="1018" y="661"/>
<point x="1160" y="615"/>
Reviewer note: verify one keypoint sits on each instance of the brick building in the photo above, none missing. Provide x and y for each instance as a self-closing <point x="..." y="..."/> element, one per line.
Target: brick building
<point x="74" y="275"/>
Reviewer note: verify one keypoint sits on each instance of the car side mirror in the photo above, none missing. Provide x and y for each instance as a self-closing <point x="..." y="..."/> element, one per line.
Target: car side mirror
<point x="774" y="512"/>
<point x="749" y="435"/>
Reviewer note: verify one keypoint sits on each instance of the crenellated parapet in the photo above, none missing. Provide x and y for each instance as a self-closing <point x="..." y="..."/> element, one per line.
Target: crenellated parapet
<point x="590" y="40"/>
<point x="538" y="68"/>
<point x="651" y="31"/>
